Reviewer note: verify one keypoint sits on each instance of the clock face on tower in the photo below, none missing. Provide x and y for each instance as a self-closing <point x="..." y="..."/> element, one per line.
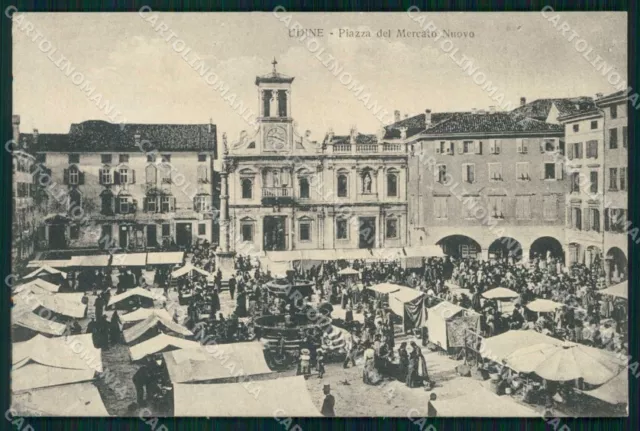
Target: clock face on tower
<point x="276" y="139"/>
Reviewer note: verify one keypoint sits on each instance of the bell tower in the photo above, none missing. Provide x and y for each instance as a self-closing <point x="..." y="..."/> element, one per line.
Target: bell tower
<point x="274" y="98"/>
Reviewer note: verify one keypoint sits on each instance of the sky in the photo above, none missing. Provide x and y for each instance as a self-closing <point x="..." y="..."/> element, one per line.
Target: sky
<point x="144" y="78"/>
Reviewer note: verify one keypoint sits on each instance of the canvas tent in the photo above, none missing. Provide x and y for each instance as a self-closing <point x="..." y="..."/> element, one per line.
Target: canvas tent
<point x="57" y="352"/>
<point x="38" y="285"/>
<point x="187" y="269"/>
<point x="620" y="290"/>
<point x="153" y="322"/>
<point x="165" y="258"/>
<point x="447" y="323"/>
<point x="51" y="263"/>
<point x="204" y="364"/>
<point x="130" y="294"/>
<point x="78" y="399"/>
<point x="64" y="304"/>
<point x="288" y="395"/>
<point x="408" y="303"/>
<point x="424" y="251"/>
<point x="480" y="403"/>
<point x="160" y="343"/>
<point x="385" y="288"/>
<point x="129" y="259"/>
<point x="23" y="319"/>
<point x="144" y="313"/>
<point x="45" y="270"/>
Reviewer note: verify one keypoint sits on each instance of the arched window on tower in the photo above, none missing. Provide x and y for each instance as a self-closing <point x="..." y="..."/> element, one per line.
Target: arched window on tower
<point x="343" y="185"/>
<point x="282" y="103"/>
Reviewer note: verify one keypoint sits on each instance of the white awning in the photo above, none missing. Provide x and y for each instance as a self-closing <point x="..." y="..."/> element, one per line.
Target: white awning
<point x="37" y="285"/>
<point x="129" y="259"/>
<point x="160" y="343"/>
<point x="100" y="261"/>
<point x="51" y="263"/>
<point x="385" y="288"/>
<point x="621" y="290"/>
<point x="424" y="251"/>
<point x="188" y="268"/>
<point x="78" y="399"/>
<point x="138" y="291"/>
<point x="165" y="258"/>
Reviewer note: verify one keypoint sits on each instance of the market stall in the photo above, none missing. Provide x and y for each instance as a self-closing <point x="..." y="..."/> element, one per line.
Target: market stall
<point x="131" y="299"/>
<point x="47" y="273"/>
<point x="620" y="290"/>
<point x="408" y="303"/>
<point x="152" y="326"/>
<point x="77" y="399"/>
<point x="504" y="298"/>
<point x="95" y="261"/>
<point x="37" y="285"/>
<point x="165" y="258"/>
<point x="159" y="344"/>
<point x="447" y="324"/>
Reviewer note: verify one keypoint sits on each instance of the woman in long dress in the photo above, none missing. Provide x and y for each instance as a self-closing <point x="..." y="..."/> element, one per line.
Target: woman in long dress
<point x="370" y="374"/>
<point x="422" y="374"/>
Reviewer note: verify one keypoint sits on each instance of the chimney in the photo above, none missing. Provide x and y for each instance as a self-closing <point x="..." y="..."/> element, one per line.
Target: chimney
<point x="403" y="133"/>
<point x="492" y="109"/>
<point x="427" y="117"/>
<point x="599" y="95"/>
<point x="15" y="123"/>
<point x="523" y="101"/>
<point x="396" y="115"/>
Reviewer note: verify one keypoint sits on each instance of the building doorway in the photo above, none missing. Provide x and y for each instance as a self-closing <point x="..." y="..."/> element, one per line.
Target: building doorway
<point x="183" y="234"/>
<point x="57" y="237"/>
<point x="275" y="235"/>
<point x="152" y="235"/>
<point x="367" y="232"/>
<point x="123" y="237"/>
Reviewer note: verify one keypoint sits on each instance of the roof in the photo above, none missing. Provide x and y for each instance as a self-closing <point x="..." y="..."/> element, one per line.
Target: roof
<point x="138" y="291"/>
<point x="102" y="136"/>
<point x="486" y="123"/>
<point x="274" y="77"/>
<point x="621" y="290"/>
<point x="405" y="294"/>
<point x="34" y="376"/>
<point x="288" y="395"/>
<point x="165" y="258"/>
<point x="51" y="263"/>
<point x="491" y="405"/>
<point x="78" y="399"/>
<point x="348" y="271"/>
<point x="158" y="344"/>
<point x="64" y="304"/>
<point x="539" y="109"/>
<point x="151" y="322"/>
<point x="416" y="124"/>
<point x="27" y="319"/>
<point x="56" y="352"/>
<point x="618" y="96"/>
<point x="199" y="365"/>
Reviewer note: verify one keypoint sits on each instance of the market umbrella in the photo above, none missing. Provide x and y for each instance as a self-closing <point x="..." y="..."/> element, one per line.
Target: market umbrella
<point x="564" y="362"/>
<point x="543" y="306"/>
<point x="621" y="290"/>
<point x="348" y="271"/>
<point x="500" y="293"/>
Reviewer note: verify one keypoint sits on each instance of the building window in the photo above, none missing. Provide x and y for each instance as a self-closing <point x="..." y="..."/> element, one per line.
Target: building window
<point x="124" y="204"/>
<point x="342" y="231"/>
<point x="523" y="207"/>
<point x="575" y="182"/>
<point x="549" y="145"/>
<point x="74" y="175"/>
<point x="105" y="176"/>
<point x="246" y="230"/>
<point x="623" y="178"/>
<point x="152" y="203"/>
<point x="593" y="180"/>
<point x="495" y="206"/>
<point x="247" y="188"/>
<point x="165" y="172"/>
<point x="304" y="228"/>
<point x="594" y="125"/>
<point x="442" y="147"/>
<point x="203" y="174"/>
<point x="74" y="231"/>
<point x="625" y="138"/>
<point x="440" y="207"/>
<point x="167" y="204"/>
<point x="202" y="157"/>
<point x="522" y="171"/>
<point x="201" y="203"/>
<point x="166" y="158"/>
<point x="106" y="158"/>
<point x="549" y="171"/>
<point x="523" y="145"/>
<point x="469" y="173"/>
<point x="613" y="178"/>
<point x="613" y="139"/>
<point x="495" y="171"/>
<point x="495" y="146"/>
<point x="343" y="185"/>
<point x="202" y="228"/>
<point x="550" y="207"/>
<point x="303" y="184"/>
<point x="392" y="228"/>
<point x="576" y="218"/>
<point x="470" y="203"/>
<point x="74" y="158"/>
<point x="151" y="172"/>
<point x="392" y="185"/>
<point x="441" y="172"/>
<point x="614" y="111"/>
<point x="576" y="150"/>
<point x="594" y="219"/>
<point x="468" y="147"/>
<point x="123" y="158"/>
<point x="592" y="149"/>
<point x="576" y="128"/>
<point x="166" y="229"/>
<point x="124" y="175"/>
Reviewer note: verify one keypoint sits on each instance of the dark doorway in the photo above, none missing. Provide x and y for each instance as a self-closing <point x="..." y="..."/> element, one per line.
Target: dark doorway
<point x="152" y="239"/>
<point x="460" y="246"/>
<point x="275" y="235"/>
<point x="123" y="236"/>
<point x="367" y="232"/>
<point x="545" y="245"/>
<point x="183" y="234"/>
<point x="505" y="247"/>
<point x="57" y="237"/>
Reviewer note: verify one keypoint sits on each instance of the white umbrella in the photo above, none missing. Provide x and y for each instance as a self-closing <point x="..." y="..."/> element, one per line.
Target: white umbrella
<point x="543" y="306"/>
<point x="500" y="293"/>
<point x="621" y="290"/>
<point x="561" y="363"/>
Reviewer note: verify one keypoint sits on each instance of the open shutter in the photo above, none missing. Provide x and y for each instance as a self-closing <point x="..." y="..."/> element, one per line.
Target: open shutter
<point x="134" y="206"/>
<point x="116" y="177"/>
<point x="437" y="144"/>
<point x="570" y="155"/>
<point x="498" y="146"/>
<point x="173" y="204"/>
<point x="559" y="171"/>
<point x="595" y="149"/>
<point x="452" y="148"/>
<point x="542" y="146"/>
<point x="561" y="146"/>
<point x="66" y="176"/>
<point x="525" y="146"/>
<point x="542" y="171"/>
<point x="465" y="173"/>
<point x="133" y="176"/>
<point x="145" y="204"/>
<point x="100" y="176"/>
<point x="80" y="178"/>
<point x="478" y="147"/>
<point x="519" y="142"/>
<point x="492" y="146"/>
<point x="596" y="223"/>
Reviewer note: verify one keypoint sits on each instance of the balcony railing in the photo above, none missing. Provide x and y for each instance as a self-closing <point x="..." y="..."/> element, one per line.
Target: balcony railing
<point x="342" y="148"/>
<point x="368" y="148"/>
<point x="277" y="192"/>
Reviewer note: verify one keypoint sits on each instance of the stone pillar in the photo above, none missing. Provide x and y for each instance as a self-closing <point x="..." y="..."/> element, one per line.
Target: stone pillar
<point x="484" y="254"/>
<point x="525" y="255"/>
<point x="607" y="270"/>
<point x="224" y="213"/>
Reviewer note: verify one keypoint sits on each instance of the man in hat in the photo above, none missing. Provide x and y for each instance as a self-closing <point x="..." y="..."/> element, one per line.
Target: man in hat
<point x="328" y="403"/>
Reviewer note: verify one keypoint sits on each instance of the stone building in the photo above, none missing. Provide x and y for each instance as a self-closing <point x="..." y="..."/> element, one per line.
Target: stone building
<point x="488" y="183"/>
<point x="283" y="192"/>
<point x="131" y="186"/>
